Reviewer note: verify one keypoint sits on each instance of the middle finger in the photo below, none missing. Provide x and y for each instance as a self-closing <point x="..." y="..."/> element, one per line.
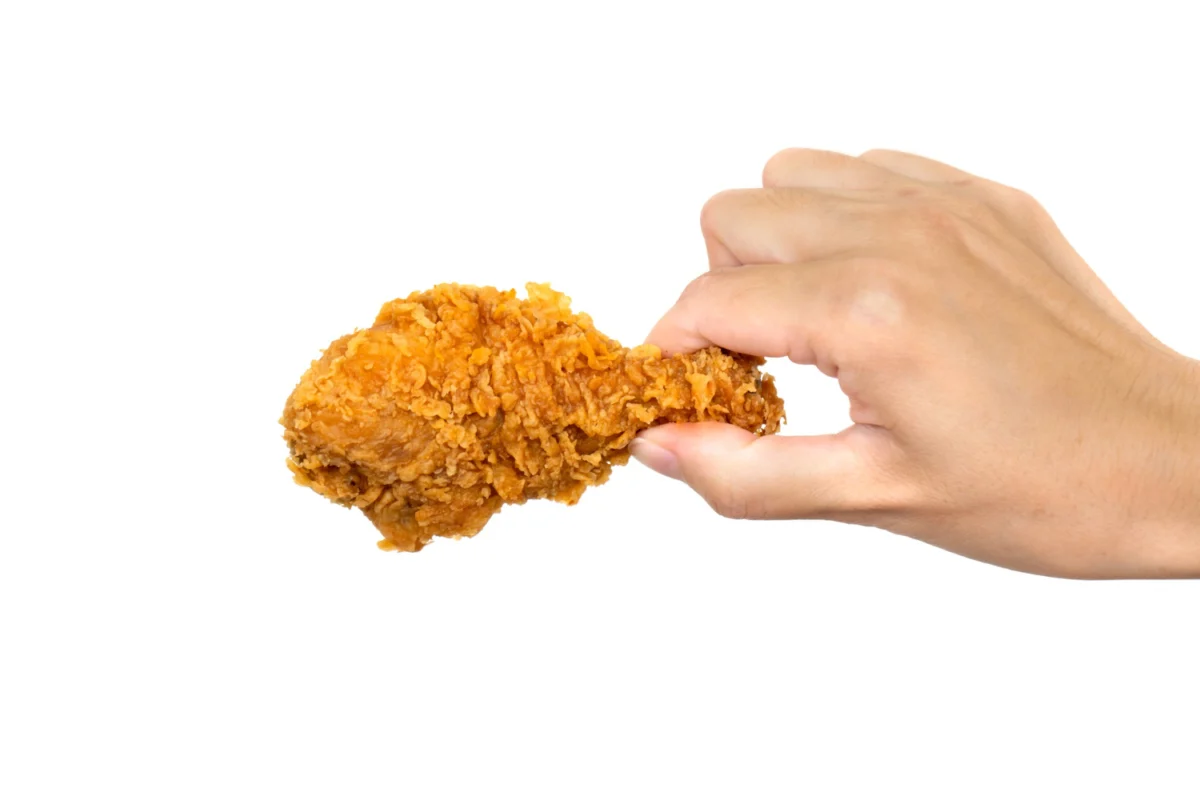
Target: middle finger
<point x="782" y="225"/>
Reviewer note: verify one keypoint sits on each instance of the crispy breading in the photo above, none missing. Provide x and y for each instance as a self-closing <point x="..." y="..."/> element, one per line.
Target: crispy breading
<point x="461" y="399"/>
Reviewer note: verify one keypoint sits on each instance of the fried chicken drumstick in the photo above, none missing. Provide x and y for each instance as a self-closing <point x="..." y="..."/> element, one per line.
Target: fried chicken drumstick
<point x="462" y="399"/>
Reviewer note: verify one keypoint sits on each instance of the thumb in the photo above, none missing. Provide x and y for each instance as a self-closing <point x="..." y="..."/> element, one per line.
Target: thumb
<point x="744" y="476"/>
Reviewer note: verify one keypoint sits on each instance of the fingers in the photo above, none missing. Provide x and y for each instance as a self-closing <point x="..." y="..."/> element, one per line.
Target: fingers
<point x="814" y="204"/>
<point x="916" y="167"/>
<point x="779" y="226"/>
<point x="763" y="309"/>
<point x="822" y="169"/>
<point x="744" y="476"/>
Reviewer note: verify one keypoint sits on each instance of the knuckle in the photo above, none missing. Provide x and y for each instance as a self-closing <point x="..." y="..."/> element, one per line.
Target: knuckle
<point x="700" y="283"/>
<point x="716" y="207"/>
<point x="875" y="311"/>
<point x="1018" y="198"/>
<point x="1023" y="205"/>
<point x="785" y="167"/>
<point x="878" y="298"/>
<point x="700" y="287"/>
<point x="1005" y="201"/>
<point x="778" y="166"/>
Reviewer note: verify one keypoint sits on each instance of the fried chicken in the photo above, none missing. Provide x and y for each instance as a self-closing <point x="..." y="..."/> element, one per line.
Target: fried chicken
<point x="461" y="399"/>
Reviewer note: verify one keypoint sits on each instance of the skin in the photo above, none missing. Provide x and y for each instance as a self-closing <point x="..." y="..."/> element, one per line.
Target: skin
<point x="1006" y="406"/>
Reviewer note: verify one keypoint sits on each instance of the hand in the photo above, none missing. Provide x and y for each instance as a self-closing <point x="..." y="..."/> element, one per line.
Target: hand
<point x="1005" y="405"/>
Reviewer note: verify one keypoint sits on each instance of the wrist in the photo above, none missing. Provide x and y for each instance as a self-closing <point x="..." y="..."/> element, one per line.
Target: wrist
<point x="1174" y="505"/>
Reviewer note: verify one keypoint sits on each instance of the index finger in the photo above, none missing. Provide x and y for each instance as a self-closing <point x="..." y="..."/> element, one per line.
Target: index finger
<point x="769" y="310"/>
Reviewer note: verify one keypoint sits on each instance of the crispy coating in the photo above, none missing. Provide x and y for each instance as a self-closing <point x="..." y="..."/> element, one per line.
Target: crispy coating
<point x="461" y="399"/>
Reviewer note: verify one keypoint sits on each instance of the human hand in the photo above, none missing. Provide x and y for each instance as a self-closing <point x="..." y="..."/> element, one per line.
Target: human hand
<point x="1005" y="405"/>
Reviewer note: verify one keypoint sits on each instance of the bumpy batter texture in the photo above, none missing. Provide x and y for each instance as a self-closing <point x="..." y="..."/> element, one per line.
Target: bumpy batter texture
<point x="461" y="399"/>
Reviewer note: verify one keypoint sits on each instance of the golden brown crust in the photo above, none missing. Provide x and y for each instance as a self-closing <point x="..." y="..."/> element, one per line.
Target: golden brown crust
<point x="461" y="399"/>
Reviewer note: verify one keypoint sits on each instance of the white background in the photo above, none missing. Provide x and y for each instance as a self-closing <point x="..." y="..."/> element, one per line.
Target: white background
<point x="197" y="197"/>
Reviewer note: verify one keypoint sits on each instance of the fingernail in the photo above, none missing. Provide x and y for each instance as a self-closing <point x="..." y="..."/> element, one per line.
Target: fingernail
<point x="657" y="458"/>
